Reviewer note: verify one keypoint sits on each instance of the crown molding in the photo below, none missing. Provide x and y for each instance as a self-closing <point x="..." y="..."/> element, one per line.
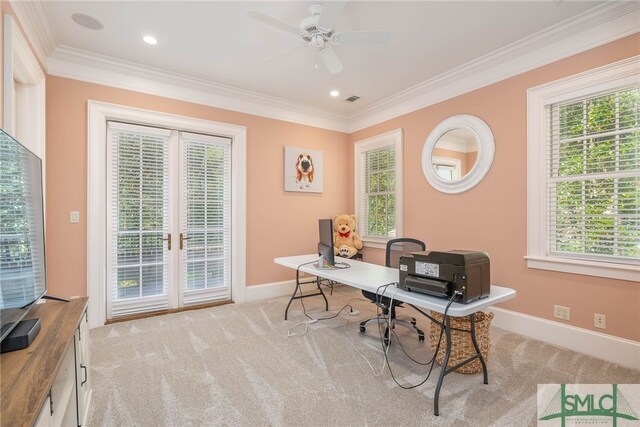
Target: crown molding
<point x="595" y="27"/>
<point x="93" y="68"/>
<point x="39" y="31"/>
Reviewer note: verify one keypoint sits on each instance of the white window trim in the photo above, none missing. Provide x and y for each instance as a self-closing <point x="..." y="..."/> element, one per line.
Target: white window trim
<point x="393" y="137"/>
<point x="99" y="113"/>
<point x="617" y="74"/>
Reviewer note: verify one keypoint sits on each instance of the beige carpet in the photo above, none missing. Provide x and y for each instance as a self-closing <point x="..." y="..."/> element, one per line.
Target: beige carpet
<point x="235" y="365"/>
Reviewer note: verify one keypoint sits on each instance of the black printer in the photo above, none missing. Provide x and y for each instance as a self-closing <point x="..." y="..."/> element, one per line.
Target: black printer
<point x="442" y="274"/>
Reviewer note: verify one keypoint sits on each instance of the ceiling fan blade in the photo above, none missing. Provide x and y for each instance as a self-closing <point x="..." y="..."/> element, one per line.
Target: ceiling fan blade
<point x="265" y="19"/>
<point x="361" y="37"/>
<point x="331" y="60"/>
<point x="284" y="53"/>
<point x="331" y="11"/>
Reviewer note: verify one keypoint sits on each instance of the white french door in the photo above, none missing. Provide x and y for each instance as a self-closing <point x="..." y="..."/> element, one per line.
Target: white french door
<point x="168" y="219"/>
<point x="205" y="218"/>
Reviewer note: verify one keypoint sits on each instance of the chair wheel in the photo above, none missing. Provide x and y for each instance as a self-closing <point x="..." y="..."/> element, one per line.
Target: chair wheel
<point x="362" y="329"/>
<point x="413" y="322"/>
<point x="420" y="337"/>
<point x="386" y="342"/>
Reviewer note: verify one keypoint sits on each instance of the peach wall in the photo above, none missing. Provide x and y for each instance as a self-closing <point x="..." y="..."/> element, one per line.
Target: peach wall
<point x="278" y="223"/>
<point x="493" y="216"/>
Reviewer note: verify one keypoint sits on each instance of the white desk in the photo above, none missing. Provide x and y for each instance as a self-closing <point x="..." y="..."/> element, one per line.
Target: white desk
<point x="370" y="277"/>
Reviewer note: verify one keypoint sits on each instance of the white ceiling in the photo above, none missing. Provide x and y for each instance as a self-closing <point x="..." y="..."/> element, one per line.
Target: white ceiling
<point x="217" y="42"/>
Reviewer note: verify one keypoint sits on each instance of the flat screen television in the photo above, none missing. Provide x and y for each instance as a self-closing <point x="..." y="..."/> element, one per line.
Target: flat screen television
<point x="22" y="250"/>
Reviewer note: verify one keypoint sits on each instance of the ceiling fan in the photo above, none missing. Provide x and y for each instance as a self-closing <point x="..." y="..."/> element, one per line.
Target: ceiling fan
<point x="317" y="31"/>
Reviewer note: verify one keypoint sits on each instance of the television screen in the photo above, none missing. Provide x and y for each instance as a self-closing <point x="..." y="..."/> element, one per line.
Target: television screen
<point x="22" y="262"/>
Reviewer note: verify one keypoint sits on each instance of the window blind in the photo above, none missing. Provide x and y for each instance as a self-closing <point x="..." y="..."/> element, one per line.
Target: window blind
<point x="139" y="218"/>
<point x="593" y="177"/>
<point x="377" y="187"/>
<point x="22" y="264"/>
<point x="206" y="218"/>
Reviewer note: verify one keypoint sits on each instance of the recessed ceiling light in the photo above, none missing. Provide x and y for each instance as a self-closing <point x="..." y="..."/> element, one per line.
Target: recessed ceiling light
<point x="87" y="21"/>
<point x="150" y="40"/>
<point x="334" y="93"/>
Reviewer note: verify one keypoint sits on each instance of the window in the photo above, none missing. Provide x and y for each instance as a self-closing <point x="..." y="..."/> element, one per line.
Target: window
<point x="378" y="177"/>
<point x="587" y="182"/>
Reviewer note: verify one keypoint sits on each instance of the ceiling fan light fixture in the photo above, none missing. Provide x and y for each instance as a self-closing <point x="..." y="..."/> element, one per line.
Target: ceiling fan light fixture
<point x="318" y="32"/>
<point x="317" y="41"/>
<point x="334" y="93"/>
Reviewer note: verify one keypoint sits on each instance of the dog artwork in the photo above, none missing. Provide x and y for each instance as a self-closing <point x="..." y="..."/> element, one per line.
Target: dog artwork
<point x="304" y="171"/>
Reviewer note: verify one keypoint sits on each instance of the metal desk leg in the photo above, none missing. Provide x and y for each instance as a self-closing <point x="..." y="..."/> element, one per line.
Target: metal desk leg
<point x="286" y="310"/>
<point x="445" y="362"/>
<point x="475" y="344"/>
<point x="295" y="291"/>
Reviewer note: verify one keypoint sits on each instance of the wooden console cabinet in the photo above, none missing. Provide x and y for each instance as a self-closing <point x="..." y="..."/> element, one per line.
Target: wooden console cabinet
<point x="47" y="383"/>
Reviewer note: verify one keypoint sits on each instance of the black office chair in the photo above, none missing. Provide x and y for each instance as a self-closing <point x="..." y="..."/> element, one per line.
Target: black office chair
<point x="395" y="248"/>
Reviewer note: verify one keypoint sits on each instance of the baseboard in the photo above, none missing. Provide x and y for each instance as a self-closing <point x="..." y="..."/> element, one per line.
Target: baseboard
<point x="612" y="349"/>
<point x="269" y="290"/>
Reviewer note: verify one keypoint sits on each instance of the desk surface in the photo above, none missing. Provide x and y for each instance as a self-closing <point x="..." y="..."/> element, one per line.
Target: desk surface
<point x="369" y="277"/>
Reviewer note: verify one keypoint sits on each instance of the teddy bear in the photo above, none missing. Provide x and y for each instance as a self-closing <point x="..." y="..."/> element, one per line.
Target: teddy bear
<point x="346" y="241"/>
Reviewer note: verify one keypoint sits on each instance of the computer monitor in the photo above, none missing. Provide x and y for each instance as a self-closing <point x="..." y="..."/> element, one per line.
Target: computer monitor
<point x="325" y="245"/>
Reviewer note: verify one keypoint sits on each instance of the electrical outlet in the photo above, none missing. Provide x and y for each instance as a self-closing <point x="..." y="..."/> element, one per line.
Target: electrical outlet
<point x="561" y="312"/>
<point x="74" y="217"/>
<point x="600" y="321"/>
<point x="302" y="274"/>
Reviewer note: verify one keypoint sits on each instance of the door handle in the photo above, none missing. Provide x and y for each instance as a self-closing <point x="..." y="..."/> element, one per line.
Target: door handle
<point x="182" y="239"/>
<point x="86" y="375"/>
<point x="168" y="239"/>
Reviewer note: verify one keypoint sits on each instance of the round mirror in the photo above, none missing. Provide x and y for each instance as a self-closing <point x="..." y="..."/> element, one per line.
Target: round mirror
<point x="458" y="154"/>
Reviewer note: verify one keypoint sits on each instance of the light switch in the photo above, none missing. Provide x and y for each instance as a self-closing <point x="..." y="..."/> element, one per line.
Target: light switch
<point x="74" y="216"/>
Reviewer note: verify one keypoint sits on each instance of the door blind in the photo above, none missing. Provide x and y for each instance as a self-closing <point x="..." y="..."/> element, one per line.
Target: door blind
<point x="139" y="220"/>
<point x="206" y="218"/>
<point x="593" y="177"/>
<point x="377" y="184"/>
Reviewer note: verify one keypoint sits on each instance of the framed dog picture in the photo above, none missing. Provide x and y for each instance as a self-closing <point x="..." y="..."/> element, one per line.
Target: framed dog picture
<point x="303" y="170"/>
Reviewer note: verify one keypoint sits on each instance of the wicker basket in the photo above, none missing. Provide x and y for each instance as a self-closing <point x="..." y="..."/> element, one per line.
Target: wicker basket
<point x="461" y="344"/>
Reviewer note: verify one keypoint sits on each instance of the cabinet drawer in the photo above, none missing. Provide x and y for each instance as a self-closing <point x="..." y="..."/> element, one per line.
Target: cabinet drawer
<point x="63" y="391"/>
